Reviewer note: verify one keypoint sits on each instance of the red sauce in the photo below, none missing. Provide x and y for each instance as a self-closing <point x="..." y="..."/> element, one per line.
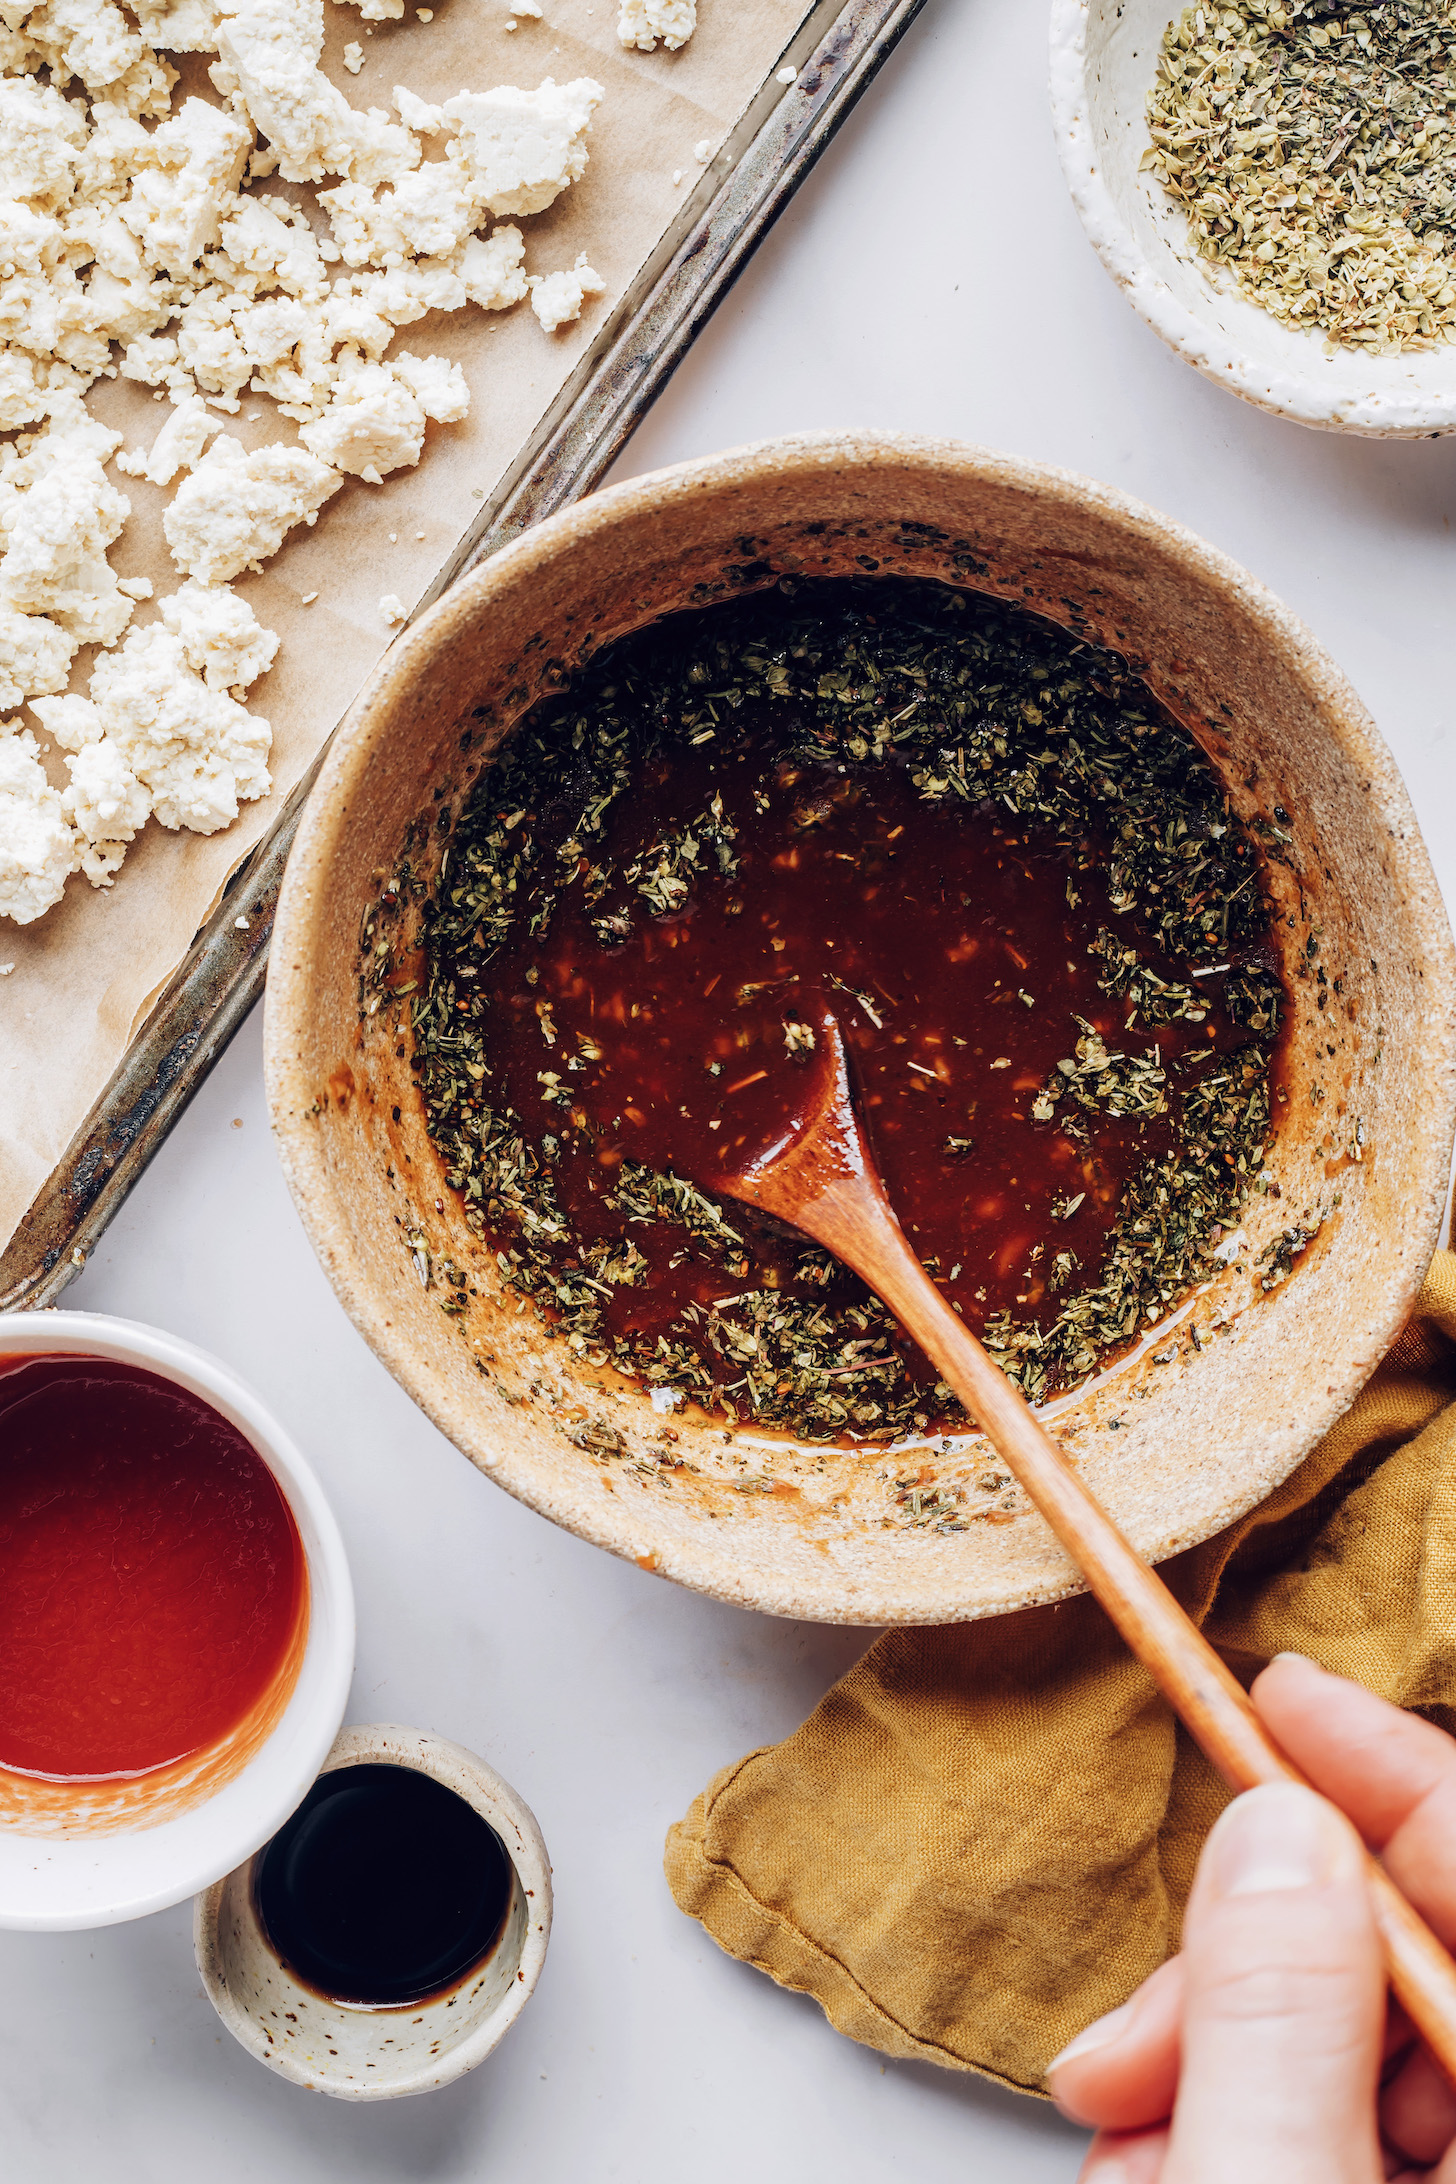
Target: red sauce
<point x="968" y="945"/>
<point x="152" y="1580"/>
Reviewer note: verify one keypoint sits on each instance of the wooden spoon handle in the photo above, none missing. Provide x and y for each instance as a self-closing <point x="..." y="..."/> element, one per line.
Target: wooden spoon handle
<point x="855" y="1221"/>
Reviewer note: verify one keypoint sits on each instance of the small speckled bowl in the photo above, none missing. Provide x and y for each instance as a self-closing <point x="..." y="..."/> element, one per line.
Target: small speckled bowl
<point x="1233" y="1386"/>
<point x="382" y="2054"/>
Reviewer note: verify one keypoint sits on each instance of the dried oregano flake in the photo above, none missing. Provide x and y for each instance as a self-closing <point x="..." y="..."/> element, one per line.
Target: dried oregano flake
<point x="1313" y="148"/>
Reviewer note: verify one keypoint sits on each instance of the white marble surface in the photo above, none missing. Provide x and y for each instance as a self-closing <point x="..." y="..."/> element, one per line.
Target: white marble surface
<point x="932" y="276"/>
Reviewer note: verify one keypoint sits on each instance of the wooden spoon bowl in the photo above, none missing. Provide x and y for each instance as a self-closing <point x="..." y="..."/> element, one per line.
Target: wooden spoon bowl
<point x="1180" y="1438"/>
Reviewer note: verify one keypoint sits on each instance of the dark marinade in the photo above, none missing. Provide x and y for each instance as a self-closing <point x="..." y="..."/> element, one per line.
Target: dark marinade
<point x="385" y="1888"/>
<point x="1009" y="871"/>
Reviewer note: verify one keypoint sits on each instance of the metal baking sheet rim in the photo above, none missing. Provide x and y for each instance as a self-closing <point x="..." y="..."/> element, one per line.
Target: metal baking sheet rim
<point x="838" y="50"/>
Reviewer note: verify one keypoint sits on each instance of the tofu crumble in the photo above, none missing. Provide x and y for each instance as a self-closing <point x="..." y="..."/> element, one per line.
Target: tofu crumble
<point x="142" y="241"/>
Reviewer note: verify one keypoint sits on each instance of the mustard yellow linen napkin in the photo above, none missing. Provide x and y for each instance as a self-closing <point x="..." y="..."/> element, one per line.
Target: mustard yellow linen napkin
<point x="984" y="1836"/>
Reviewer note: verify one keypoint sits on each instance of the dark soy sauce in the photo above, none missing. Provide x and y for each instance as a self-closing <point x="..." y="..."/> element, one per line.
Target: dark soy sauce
<point x="385" y="1888"/>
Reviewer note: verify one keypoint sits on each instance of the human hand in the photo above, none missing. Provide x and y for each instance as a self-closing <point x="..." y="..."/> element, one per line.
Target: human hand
<point x="1267" y="2053"/>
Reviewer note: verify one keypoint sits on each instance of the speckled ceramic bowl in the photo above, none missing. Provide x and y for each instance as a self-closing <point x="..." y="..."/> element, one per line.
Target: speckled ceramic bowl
<point x="1177" y="1440"/>
<point x="380" y="2055"/>
<point x="1104" y="55"/>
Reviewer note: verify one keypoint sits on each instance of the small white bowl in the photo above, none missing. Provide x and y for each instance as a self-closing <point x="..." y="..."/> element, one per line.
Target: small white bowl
<point x="1104" y="54"/>
<point x="73" y="1875"/>
<point x="359" y="2054"/>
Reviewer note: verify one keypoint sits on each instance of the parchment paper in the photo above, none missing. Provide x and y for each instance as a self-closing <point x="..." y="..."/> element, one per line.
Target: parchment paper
<point x="86" y="974"/>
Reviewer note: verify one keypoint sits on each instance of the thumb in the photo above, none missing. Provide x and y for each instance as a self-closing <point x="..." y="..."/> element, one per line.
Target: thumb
<point x="1283" y="2001"/>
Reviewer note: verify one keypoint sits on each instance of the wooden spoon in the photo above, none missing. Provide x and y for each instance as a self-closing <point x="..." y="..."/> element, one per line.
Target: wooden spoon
<point x="820" y="1178"/>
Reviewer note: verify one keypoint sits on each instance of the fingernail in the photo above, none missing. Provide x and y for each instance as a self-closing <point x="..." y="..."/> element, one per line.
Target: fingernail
<point x="1304" y="1657"/>
<point x="1279" y="1836"/>
<point x="1100" y="2033"/>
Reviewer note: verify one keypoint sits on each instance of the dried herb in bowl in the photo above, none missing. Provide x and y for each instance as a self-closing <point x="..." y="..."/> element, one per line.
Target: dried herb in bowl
<point x="1313" y="149"/>
<point x="1011" y="873"/>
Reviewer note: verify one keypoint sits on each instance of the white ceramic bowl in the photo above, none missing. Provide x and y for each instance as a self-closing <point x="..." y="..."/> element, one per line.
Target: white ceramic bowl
<point x="359" y="2054"/>
<point x="1103" y="57"/>
<point x="77" y="1877"/>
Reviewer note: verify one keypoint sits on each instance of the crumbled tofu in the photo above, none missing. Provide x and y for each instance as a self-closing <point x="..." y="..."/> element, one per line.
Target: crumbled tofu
<point x="416" y="113"/>
<point x="211" y="346"/>
<point x="527" y="7"/>
<point x="359" y="316"/>
<point x="27" y="384"/>
<point x="393" y="609"/>
<point x="268" y="66"/>
<point x="37" y="847"/>
<point x="518" y="150"/>
<point x="641" y="23"/>
<point x="134" y="241"/>
<point x="41" y="137"/>
<point x="44" y="308"/>
<point x="270" y="244"/>
<point x="107" y="806"/>
<point x="286" y="351"/>
<point x="438" y="386"/>
<point x="491" y="269"/>
<point x="369" y="147"/>
<point x="59" y="512"/>
<point x="236" y="508"/>
<point x="222" y="638"/>
<point x="557" y="298"/>
<point x="92" y="39"/>
<point x="194" y="165"/>
<point x="196" y="751"/>
<point x="365" y="309"/>
<point x="177" y="446"/>
<point x="112" y="153"/>
<point x="153" y="360"/>
<point x="178" y="26"/>
<point x="72" y="721"/>
<point x="35" y="656"/>
<point x="375" y="421"/>
<point x="372" y="425"/>
<point x="427" y="214"/>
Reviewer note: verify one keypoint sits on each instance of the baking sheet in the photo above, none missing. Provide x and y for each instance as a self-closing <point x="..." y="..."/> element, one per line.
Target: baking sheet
<point x="86" y="975"/>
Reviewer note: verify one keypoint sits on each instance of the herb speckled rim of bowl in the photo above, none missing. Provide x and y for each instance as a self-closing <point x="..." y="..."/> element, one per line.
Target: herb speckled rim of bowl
<point x="1179" y="1439"/>
<point x="380" y="2055"/>
<point x="77" y="1879"/>
<point x="1104" y="54"/>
